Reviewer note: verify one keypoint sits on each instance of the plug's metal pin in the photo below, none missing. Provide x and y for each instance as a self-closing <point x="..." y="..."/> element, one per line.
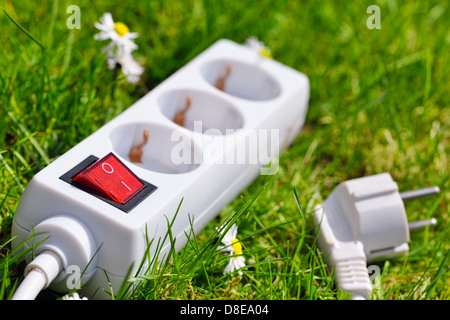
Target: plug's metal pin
<point x="422" y="224"/>
<point x="413" y="194"/>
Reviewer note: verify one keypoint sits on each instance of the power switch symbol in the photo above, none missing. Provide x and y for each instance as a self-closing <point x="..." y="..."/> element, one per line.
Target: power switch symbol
<point x="112" y="178"/>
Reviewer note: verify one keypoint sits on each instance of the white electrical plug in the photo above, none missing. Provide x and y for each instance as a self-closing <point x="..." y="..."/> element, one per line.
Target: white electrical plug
<point x="363" y="220"/>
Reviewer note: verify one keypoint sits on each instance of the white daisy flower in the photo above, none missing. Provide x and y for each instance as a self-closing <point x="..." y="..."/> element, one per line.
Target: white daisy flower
<point x="120" y="48"/>
<point x="75" y="296"/>
<point x="257" y="46"/>
<point x="130" y="68"/>
<point x="117" y="32"/>
<point x="233" y="246"/>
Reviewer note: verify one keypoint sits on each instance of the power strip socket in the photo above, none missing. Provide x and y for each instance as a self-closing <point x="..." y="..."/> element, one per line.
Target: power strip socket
<point x="95" y="206"/>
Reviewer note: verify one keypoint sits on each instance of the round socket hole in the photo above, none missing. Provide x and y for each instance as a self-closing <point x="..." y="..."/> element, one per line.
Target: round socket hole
<point x="200" y="111"/>
<point x="241" y="79"/>
<point x="165" y="150"/>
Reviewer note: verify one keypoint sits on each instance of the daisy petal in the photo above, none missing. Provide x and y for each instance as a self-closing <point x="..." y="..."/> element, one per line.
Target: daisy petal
<point x="107" y="20"/>
<point x="100" y="26"/>
<point x="132" y="35"/>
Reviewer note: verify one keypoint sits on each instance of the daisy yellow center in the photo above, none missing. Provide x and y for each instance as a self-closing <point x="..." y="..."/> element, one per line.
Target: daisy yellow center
<point x="236" y="244"/>
<point x="265" y="53"/>
<point x="121" y="28"/>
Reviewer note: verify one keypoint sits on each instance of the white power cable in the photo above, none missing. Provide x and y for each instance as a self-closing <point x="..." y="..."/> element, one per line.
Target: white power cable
<point x="30" y="287"/>
<point x="39" y="273"/>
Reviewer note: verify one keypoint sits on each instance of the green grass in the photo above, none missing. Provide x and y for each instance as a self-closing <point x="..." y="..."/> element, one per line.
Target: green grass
<point x="379" y="103"/>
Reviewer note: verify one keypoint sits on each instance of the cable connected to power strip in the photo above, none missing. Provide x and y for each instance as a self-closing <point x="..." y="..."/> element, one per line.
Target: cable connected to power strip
<point x="64" y="242"/>
<point x="362" y="220"/>
<point x="38" y="275"/>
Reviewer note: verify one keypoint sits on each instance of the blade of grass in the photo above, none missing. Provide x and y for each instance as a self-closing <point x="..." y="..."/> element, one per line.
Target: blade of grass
<point x="302" y="216"/>
<point x="422" y="277"/>
<point x="29" y="35"/>
<point x="439" y="273"/>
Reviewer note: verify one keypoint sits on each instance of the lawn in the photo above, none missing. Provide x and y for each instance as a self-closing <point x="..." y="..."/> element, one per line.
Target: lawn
<point x="379" y="103"/>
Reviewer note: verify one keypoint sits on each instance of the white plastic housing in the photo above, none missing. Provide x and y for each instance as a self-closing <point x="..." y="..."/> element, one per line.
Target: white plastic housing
<point x="261" y="95"/>
<point x="362" y="220"/>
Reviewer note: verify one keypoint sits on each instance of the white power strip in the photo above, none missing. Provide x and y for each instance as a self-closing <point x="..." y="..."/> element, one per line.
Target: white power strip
<point x="95" y="207"/>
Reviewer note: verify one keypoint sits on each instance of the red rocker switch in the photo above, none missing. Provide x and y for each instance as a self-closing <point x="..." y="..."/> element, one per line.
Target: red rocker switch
<point x="112" y="178"/>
